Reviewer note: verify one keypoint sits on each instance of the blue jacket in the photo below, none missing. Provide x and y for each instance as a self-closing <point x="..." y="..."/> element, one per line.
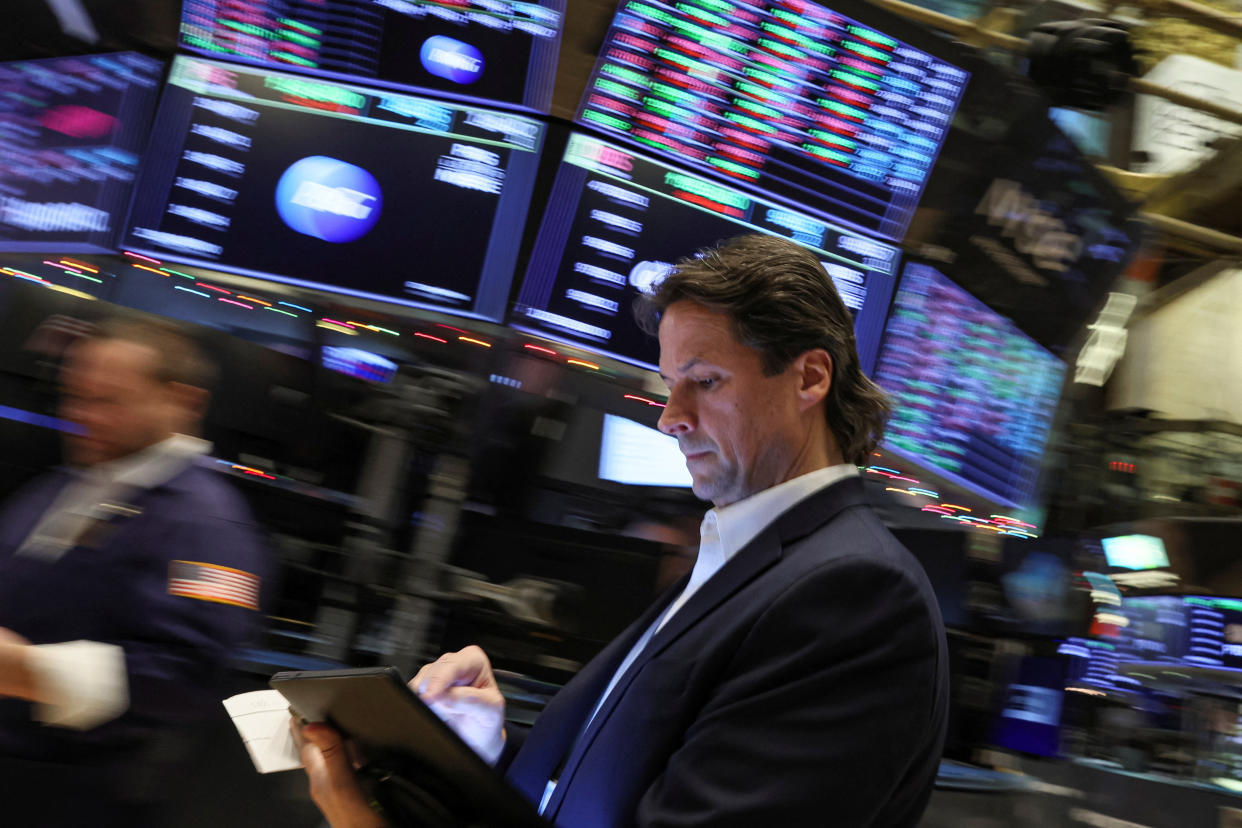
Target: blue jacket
<point x="113" y="588"/>
<point x="806" y="683"/>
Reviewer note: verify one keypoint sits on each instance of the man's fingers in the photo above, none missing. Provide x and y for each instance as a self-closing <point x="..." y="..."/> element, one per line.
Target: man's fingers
<point x="466" y="700"/>
<point x="327" y="764"/>
<point x="467" y="667"/>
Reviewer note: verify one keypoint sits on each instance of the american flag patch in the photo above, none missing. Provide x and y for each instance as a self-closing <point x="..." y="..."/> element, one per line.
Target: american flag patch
<point x="209" y="582"/>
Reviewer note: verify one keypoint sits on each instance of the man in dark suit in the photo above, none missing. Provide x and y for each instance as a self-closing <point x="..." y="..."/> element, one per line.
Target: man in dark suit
<point x="798" y="675"/>
<point x="127" y="580"/>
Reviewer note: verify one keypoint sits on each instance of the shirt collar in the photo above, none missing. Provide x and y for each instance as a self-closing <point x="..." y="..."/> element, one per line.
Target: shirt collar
<point x="152" y="466"/>
<point x="739" y="523"/>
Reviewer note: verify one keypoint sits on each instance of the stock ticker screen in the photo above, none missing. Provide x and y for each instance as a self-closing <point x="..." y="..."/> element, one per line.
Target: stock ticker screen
<point x="803" y="102"/>
<point x="618" y="220"/>
<point x="490" y="51"/>
<point x="974" y="397"/>
<point x="1213" y="631"/>
<point x="1187" y="630"/>
<point x="368" y="193"/>
<point x="71" y="133"/>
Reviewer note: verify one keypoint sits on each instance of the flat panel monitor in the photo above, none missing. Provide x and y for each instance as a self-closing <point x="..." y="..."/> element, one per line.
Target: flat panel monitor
<point x="974" y="397"/>
<point x="72" y="130"/>
<point x="1092" y="665"/>
<point x="1030" y="716"/>
<point x="356" y="362"/>
<point x="1155" y="629"/>
<point x="373" y="194"/>
<point x="1135" y="552"/>
<point x="639" y="455"/>
<point x="842" y="109"/>
<point x="1213" y="631"/>
<point x="616" y="222"/>
<point x="485" y="51"/>
<point x="1029" y="224"/>
<point x="1195" y="630"/>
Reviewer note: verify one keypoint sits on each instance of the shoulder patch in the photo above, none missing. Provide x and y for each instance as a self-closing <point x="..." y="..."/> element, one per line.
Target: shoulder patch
<point x="211" y="582"/>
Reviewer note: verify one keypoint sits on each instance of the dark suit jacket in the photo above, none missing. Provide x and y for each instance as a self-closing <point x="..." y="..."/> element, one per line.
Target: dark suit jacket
<point x="114" y="588"/>
<point x="805" y="683"/>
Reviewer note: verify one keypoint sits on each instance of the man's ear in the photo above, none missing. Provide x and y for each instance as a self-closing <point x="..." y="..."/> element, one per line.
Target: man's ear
<point x="191" y="401"/>
<point x="814" y="370"/>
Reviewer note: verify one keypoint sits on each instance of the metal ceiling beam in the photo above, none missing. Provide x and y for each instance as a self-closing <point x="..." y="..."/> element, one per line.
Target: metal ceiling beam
<point x="1206" y="16"/>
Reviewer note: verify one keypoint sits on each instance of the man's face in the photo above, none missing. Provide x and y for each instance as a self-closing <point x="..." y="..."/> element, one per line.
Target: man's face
<point x="741" y="431"/>
<point x="109" y="389"/>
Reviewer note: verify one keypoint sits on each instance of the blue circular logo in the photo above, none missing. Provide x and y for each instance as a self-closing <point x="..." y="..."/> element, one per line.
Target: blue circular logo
<point x="451" y="59"/>
<point x="328" y="199"/>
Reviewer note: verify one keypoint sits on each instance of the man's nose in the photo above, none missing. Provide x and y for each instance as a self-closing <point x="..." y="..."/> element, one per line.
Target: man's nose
<point x="677" y="417"/>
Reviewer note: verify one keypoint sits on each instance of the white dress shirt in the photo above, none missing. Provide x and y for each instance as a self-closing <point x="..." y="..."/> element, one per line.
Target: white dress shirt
<point x="84" y="683"/>
<point x="724" y="532"/>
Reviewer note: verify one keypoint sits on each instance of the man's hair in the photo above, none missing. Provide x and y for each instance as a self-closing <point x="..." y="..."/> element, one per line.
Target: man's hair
<point x="782" y="303"/>
<point x="178" y="356"/>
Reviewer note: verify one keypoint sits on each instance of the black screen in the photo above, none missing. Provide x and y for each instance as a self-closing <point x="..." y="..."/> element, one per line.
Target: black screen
<point x="617" y="221"/>
<point x="489" y="51"/>
<point x="71" y="132"/>
<point x="373" y="194"/>
<point x="1021" y="219"/>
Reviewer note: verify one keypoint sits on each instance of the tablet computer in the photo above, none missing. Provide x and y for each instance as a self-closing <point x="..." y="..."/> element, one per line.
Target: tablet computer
<point x="373" y="706"/>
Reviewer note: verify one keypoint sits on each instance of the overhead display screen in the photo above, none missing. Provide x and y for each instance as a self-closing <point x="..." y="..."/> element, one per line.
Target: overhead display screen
<point x="487" y="51"/>
<point x="793" y="97"/>
<point x="71" y="132"/>
<point x="617" y="221"/>
<point x="369" y="193"/>
<point x="973" y="396"/>
<point x="1027" y="223"/>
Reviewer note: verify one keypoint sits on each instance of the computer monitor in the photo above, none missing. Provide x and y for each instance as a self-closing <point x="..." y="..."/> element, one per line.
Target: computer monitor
<point x="1030" y="716"/>
<point x="1155" y="629"/>
<point x="639" y="455"/>
<point x="372" y="194"/>
<point x="72" y="131"/>
<point x="1135" y="552"/>
<point x="617" y="220"/>
<point x="974" y="397"/>
<point x="1213" y="631"/>
<point x="497" y="51"/>
<point x="840" y="108"/>
<point x="1030" y="226"/>
<point x="359" y="363"/>
<point x="1190" y="630"/>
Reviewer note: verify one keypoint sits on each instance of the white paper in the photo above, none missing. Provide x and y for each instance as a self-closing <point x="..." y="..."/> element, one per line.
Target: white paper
<point x="262" y="720"/>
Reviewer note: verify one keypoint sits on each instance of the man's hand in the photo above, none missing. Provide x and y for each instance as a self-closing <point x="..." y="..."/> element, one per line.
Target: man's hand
<point x="16" y="680"/>
<point x="462" y="690"/>
<point x="333" y="786"/>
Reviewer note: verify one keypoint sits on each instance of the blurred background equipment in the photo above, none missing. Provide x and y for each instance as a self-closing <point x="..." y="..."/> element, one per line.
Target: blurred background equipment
<point x="1085" y="63"/>
<point x="411" y="232"/>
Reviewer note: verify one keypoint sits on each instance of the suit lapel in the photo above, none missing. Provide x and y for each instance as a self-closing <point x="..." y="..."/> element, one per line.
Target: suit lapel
<point x="761" y="553"/>
<point x="562" y="721"/>
<point x="766" y="549"/>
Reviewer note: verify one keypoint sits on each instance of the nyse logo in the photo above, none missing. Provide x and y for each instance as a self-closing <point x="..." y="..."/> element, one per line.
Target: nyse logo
<point x="328" y="199"/>
<point x="339" y="200"/>
<point x="1035" y="231"/>
<point x="451" y="59"/>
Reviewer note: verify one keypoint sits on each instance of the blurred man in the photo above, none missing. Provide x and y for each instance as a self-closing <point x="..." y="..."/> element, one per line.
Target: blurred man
<point x="798" y="675"/>
<point x="127" y="579"/>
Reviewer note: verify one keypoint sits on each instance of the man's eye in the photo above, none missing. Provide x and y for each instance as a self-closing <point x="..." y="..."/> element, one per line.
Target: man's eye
<point x="707" y="383"/>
